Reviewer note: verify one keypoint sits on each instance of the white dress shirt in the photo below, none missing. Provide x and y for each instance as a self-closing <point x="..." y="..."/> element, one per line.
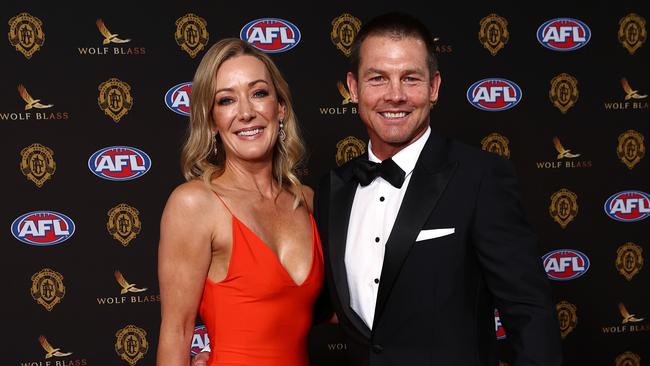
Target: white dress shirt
<point x="373" y="214"/>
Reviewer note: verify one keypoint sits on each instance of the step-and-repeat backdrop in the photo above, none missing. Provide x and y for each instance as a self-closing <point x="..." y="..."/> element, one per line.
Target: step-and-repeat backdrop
<point x="94" y="109"/>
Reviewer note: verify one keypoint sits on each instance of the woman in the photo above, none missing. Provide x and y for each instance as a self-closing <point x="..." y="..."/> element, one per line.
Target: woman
<point x="238" y="242"/>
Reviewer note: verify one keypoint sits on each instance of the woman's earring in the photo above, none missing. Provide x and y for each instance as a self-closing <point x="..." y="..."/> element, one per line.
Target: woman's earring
<point x="214" y="143"/>
<point x="283" y="135"/>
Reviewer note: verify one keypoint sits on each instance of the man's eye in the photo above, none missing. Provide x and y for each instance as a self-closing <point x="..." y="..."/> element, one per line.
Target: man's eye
<point x="377" y="78"/>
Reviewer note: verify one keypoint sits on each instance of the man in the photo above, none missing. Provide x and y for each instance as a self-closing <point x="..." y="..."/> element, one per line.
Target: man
<point x="416" y="266"/>
<point x="421" y="248"/>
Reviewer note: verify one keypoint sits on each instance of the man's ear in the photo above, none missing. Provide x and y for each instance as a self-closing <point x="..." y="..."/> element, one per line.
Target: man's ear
<point x="352" y="87"/>
<point x="435" y="87"/>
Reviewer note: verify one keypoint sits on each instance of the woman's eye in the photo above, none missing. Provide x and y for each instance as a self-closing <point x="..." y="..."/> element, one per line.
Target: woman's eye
<point x="260" y="93"/>
<point x="224" y="101"/>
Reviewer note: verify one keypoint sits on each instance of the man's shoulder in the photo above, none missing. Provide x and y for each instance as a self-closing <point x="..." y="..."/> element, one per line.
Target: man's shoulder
<point x="472" y="156"/>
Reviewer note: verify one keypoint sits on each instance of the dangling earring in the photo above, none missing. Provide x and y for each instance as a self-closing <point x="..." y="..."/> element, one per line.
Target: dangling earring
<point x="214" y="143"/>
<point x="283" y="135"/>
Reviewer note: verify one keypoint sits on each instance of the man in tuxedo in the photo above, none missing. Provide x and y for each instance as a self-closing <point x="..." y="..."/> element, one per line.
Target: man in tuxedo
<point x="424" y="236"/>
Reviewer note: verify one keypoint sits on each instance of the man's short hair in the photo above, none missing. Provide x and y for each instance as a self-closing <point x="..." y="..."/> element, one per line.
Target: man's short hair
<point x="396" y="25"/>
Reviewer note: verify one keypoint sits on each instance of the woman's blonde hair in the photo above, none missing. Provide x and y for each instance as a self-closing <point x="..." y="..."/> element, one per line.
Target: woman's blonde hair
<point x="198" y="158"/>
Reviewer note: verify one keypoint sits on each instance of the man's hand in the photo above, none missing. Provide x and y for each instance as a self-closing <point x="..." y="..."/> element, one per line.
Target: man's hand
<point x="201" y="359"/>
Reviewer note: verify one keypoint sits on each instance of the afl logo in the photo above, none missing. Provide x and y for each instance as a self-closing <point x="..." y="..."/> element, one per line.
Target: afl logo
<point x="494" y="94"/>
<point x="563" y="34"/>
<point x="119" y="163"/>
<point x="199" y="340"/>
<point x="565" y="264"/>
<point x="42" y="228"/>
<point x="178" y="98"/>
<point x="271" y="35"/>
<point x="628" y="206"/>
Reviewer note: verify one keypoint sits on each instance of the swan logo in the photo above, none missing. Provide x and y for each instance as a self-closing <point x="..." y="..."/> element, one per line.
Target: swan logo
<point x="565" y="264"/>
<point x="563" y="34"/>
<point x="177" y="98"/>
<point x="43" y="228"/>
<point x="628" y="206"/>
<point x="494" y="94"/>
<point x="271" y="35"/>
<point x="119" y="163"/>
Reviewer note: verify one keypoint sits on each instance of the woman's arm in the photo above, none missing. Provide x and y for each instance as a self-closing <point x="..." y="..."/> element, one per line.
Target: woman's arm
<point x="184" y="256"/>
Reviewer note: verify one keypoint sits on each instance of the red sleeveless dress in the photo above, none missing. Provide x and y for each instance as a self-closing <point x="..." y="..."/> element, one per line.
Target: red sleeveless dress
<point x="258" y="315"/>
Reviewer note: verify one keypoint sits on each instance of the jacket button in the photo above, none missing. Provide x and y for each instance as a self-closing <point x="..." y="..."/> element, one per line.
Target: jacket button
<point x="377" y="348"/>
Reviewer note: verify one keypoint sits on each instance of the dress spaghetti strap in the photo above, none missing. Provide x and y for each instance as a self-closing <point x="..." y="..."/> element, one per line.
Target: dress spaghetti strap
<point x="224" y="203"/>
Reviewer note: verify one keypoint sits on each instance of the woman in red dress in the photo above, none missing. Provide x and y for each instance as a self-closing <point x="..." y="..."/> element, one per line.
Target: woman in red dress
<point x="238" y="242"/>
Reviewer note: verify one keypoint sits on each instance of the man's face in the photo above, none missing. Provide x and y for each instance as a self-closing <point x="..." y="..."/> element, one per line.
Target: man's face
<point x="394" y="91"/>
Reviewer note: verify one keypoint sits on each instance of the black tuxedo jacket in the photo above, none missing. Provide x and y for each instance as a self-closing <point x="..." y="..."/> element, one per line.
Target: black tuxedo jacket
<point x="437" y="297"/>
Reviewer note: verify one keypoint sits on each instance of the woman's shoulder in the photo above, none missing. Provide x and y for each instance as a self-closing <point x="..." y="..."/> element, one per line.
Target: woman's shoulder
<point x="194" y="196"/>
<point x="308" y="193"/>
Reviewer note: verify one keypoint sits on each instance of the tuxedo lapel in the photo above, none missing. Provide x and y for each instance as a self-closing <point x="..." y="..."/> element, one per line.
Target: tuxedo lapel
<point x="430" y="177"/>
<point x="342" y="191"/>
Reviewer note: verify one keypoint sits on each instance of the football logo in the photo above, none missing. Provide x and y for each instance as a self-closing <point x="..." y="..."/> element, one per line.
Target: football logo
<point x="566" y="314"/>
<point x="37" y="163"/>
<point x="199" y="340"/>
<point x="119" y="163"/>
<point x="565" y="264"/>
<point x="123" y="223"/>
<point x="628" y="206"/>
<point x="500" y="331"/>
<point x="496" y="144"/>
<point x="348" y="149"/>
<point x="628" y="359"/>
<point x="563" y="34"/>
<point x="632" y="32"/>
<point x="26" y="34"/>
<point x="494" y="94"/>
<point x="47" y="288"/>
<point x="115" y="98"/>
<point x="564" y="207"/>
<point x="493" y="33"/>
<point x="630" y="149"/>
<point x="131" y="344"/>
<point x="42" y="228"/>
<point x="191" y="33"/>
<point x="177" y="98"/>
<point x="564" y="92"/>
<point x="629" y="260"/>
<point x="344" y="29"/>
<point x="271" y="35"/>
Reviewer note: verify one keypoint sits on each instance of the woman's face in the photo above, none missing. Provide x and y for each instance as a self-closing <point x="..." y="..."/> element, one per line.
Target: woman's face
<point x="246" y="110"/>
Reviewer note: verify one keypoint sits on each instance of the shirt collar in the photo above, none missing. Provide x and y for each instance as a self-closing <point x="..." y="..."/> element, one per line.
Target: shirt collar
<point x="408" y="156"/>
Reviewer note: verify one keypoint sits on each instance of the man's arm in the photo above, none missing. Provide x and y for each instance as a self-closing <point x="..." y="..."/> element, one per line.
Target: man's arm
<point x="508" y="253"/>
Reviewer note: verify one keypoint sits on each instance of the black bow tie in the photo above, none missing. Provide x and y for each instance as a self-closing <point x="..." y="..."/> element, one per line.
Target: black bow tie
<point x="365" y="171"/>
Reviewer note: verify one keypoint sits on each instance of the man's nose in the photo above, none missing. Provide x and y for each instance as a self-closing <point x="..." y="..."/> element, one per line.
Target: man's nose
<point x="395" y="92"/>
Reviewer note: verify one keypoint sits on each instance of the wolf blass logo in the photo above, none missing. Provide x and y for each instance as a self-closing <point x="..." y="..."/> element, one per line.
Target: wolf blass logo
<point x="127" y="287"/>
<point x="108" y="39"/>
<point x="62" y="358"/>
<point x="343" y="108"/>
<point x="565" y="158"/>
<point x="633" y="99"/>
<point x="629" y="323"/>
<point x="32" y="104"/>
